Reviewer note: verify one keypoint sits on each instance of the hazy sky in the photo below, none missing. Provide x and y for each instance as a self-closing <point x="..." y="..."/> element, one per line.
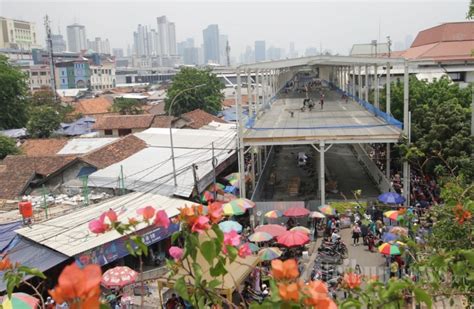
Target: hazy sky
<point x="335" y="25"/>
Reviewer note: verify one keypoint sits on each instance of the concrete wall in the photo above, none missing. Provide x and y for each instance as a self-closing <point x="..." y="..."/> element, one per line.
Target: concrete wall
<point x="115" y="132"/>
<point x="55" y="183"/>
<point x="372" y="170"/>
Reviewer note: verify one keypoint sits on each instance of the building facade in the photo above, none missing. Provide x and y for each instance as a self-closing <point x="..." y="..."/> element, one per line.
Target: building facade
<point x="76" y="38"/>
<point x="167" y="36"/>
<point x="99" y="46"/>
<point x="103" y="75"/>
<point x="74" y="74"/>
<point x="211" y="44"/>
<point x="39" y="76"/>
<point x="260" y="51"/>
<point x="17" y="34"/>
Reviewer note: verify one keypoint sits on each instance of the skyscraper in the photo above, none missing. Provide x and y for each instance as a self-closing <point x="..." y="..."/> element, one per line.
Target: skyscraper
<point x="117" y="52"/>
<point x="292" y="52"/>
<point x="211" y="44"/>
<point x="59" y="44"/>
<point x="76" y="38"/>
<point x="260" y="51"/>
<point x="141" y="42"/>
<point x="167" y="35"/>
<point x="154" y="42"/>
<point x="223" y="38"/>
<point x="99" y="45"/>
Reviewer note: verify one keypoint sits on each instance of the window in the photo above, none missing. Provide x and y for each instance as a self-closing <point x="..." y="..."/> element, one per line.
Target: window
<point x="108" y="132"/>
<point x="34" y="73"/>
<point x="123" y="132"/>
<point x="43" y="73"/>
<point x="64" y="81"/>
<point x="457" y="76"/>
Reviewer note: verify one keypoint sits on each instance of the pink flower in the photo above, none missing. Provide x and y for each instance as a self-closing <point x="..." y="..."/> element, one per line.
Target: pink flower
<point x="161" y="219"/>
<point x="98" y="226"/>
<point x="176" y="253"/>
<point x="244" y="250"/>
<point x="147" y="212"/>
<point x="232" y="238"/>
<point x="112" y="215"/>
<point x="201" y="224"/>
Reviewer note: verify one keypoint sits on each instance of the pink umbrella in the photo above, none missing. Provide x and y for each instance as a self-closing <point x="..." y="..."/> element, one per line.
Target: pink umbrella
<point x="118" y="277"/>
<point x="273" y="229"/>
<point x="296" y="212"/>
<point x="293" y="238"/>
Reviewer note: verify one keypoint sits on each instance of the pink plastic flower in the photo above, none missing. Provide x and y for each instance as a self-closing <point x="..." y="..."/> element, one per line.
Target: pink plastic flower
<point x="147" y="212"/>
<point x="232" y="238"/>
<point x="176" y="253"/>
<point x="98" y="226"/>
<point x="244" y="250"/>
<point x="161" y="219"/>
<point x="201" y="224"/>
<point x="112" y="215"/>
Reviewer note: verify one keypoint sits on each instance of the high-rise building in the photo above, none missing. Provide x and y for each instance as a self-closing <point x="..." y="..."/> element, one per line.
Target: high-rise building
<point x="17" y="34"/>
<point x="141" y="41"/>
<point x="117" y="52"/>
<point x="154" y="42"/>
<point x="260" y="51"/>
<point x="274" y="53"/>
<point x="76" y="38"/>
<point x="191" y="55"/>
<point x="292" y="52"/>
<point x="167" y="35"/>
<point x="99" y="45"/>
<point x="59" y="44"/>
<point x="211" y="44"/>
<point x="223" y="38"/>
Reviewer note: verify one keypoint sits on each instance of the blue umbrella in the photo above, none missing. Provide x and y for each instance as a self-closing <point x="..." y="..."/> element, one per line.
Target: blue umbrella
<point x="253" y="247"/>
<point x="391" y="198"/>
<point x="386" y="237"/>
<point x="227" y="226"/>
<point x="230" y="189"/>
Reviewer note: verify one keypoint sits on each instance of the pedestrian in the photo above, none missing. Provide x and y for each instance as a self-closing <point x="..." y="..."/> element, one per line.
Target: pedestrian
<point x="322" y="101"/>
<point x="400" y="263"/>
<point x="371" y="241"/>
<point x="356" y="234"/>
<point x="393" y="268"/>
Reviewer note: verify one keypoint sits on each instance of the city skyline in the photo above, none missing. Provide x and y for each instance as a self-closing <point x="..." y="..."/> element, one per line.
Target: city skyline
<point x="307" y="18"/>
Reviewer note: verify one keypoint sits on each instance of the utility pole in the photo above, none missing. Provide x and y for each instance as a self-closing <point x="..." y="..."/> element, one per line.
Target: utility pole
<point x="49" y="43"/>
<point x="214" y="164"/>
<point x="45" y="201"/>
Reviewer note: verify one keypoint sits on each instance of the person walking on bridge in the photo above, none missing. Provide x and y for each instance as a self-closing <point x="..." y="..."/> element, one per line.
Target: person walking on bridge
<point x="322" y="100"/>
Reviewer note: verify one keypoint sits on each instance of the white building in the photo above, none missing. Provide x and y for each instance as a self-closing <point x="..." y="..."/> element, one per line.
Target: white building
<point x="103" y="76"/>
<point x="38" y="76"/>
<point x="17" y="34"/>
<point x="76" y="38"/>
<point x="167" y="35"/>
<point x="99" y="46"/>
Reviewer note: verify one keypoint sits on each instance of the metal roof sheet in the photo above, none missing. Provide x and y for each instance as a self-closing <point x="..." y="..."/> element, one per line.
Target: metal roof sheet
<point x="85" y="145"/>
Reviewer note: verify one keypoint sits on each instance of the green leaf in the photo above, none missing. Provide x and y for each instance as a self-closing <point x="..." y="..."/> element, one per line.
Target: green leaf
<point x="197" y="272"/>
<point x="141" y="245"/>
<point x="181" y="289"/>
<point x="214" y="283"/>
<point x="422" y="296"/>
<point x="130" y="249"/>
<point x="208" y="250"/>
<point x="232" y="253"/>
<point x="35" y="272"/>
<point x="218" y="269"/>
<point x="174" y="236"/>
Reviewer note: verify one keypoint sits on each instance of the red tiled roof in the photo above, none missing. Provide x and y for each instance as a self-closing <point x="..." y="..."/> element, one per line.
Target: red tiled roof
<point x="162" y="121"/>
<point x="42" y="147"/>
<point x="100" y="105"/>
<point x="114" y="152"/>
<point x="199" y="118"/>
<point x="228" y="102"/>
<point x="460" y="31"/>
<point x="124" y="122"/>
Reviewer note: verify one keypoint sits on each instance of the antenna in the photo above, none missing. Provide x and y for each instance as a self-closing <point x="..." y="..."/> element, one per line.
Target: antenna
<point x="49" y="43"/>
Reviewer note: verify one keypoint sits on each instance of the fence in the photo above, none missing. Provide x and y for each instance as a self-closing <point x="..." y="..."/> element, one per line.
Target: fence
<point x="374" y="172"/>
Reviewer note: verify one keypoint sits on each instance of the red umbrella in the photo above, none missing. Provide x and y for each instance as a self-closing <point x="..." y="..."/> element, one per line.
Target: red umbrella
<point x="273" y="229"/>
<point x="296" y="212"/>
<point x="293" y="238"/>
<point x="118" y="277"/>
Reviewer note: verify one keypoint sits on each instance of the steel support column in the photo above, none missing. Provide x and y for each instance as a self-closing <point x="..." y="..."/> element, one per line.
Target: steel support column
<point x="353" y="81"/>
<point x="249" y="92"/>
<point x="366" y="83"/>
<point x="359" y="80"/>
<point x="376" y="87"/>
<point x="257" y="91"/>
<point x="387" y="162"/>
<point x="240" y="137"/>
<point x="322" y="180"/>
<point x="406" y="131"/>
<point x="388" y="99"/>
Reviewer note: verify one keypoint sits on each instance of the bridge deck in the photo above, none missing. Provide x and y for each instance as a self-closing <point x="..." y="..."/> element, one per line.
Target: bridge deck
<point x="338" y="122"/>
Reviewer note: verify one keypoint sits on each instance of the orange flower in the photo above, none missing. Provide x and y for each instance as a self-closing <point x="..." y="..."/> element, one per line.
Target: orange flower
<point x="373" y="278"/>
<point x="285" y="270"/>
<point x="5" y="263"/>
<point x="316" y="294"/>
<point x="352" y="280"/>
<point x="215" y="212"/>
<point x="80" y="288"/>
<point x="288" y="292"/>
<point x="461" y="214"/>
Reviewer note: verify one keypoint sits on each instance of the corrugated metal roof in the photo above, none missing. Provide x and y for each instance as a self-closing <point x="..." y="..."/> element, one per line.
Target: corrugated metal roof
<point x="85" y="145"/>
<point x="151" y="169"/>
<point x="70" y="235"/>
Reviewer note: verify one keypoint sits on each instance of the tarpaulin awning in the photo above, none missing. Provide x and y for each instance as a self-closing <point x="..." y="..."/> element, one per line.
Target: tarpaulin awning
<point x="7" y="233"/>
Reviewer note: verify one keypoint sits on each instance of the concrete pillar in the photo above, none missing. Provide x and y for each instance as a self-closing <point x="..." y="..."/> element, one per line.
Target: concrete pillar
<point x="264" y="87"/>
<point x="322" y="184"/>
<point x="406" y="131"/>
<point x="376" y="87"/>
<point x="249" y="91"/>
<point x="252" y="152"/>
<point x="346" y="79"/>
<point x="366" y="83"/>
<point x="240" y="137"/>
<point x="257" y="91"/>
<point x="387" y="162"/>
<point x="359" y="92"/>
<point x="388" y="86"/>
<point x="259" y="160"/>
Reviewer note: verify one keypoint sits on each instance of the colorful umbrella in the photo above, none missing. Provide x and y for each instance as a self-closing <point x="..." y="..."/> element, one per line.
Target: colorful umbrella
<point x="274" y="214"/>
<point x="392" y="214"/>
<point x="207" y="196"/>
<point x="260" y="236"/>
<point x="245" y="203"/>
<point x="233" y="179"/>
<point x="296" y="212"/>
<point x="389" y="249"/>
<point x="227" y="226"/>
<point x="19" y="301"/>
<point x="233" y="209"/>
<point x="316" y="214"/>
<point x="398" y="230"/>
<point x="391" y="198"/>
<point x="327" y="210"/>
<point x="301" y="229"/>
<point x="273" y="229"/>
<point x="118" y="277"/>
<point x="293" y="238"/>
<point x="253" y="247"/>
<point x="386" y="237"/>
<point x="267" y="254"/>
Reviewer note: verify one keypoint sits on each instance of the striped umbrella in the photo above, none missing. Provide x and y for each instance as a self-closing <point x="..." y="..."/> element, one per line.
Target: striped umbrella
<point x="274" y="214"/>
<point x="245" y="203"/>
<point x="273" y="229"/>
<point x="327" y="210"/>
<point x="316" y="214"/>
<point x="227" y="226"/>
<point x="389" y="249"/>
<point x="19" y="301"/>
<point x="301" y="229"/>
<point x="233" y="179"/>
<point x="231" y="209"/>
<point x="392" y="214"/>
<point x="293" y="238"/>
<point x="267" y="254"/>
<point x="253" y="247"/>
<point x="260" y="236"/>
<point x="118" y="277"/>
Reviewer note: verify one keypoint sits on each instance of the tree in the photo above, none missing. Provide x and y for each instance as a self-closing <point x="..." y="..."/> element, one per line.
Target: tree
<point x="43" y="121"/>
<point x="7" y="146"/>
<point x="208" y="97"/>
<point x="43" y="97"/>
<point x="127" y="106"/>
<point x="470" y="12"/>
<point x="13" y="102"/>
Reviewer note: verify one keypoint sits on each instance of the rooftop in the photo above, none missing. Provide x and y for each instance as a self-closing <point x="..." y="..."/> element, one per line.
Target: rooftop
<point x="100" y="105"/>
<point x="43" y="147"/>
<point x="448" y="32"/>
<point x="124" y="122"/>
<point x="199" y="118"/>
<point x="84" y="145"/>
